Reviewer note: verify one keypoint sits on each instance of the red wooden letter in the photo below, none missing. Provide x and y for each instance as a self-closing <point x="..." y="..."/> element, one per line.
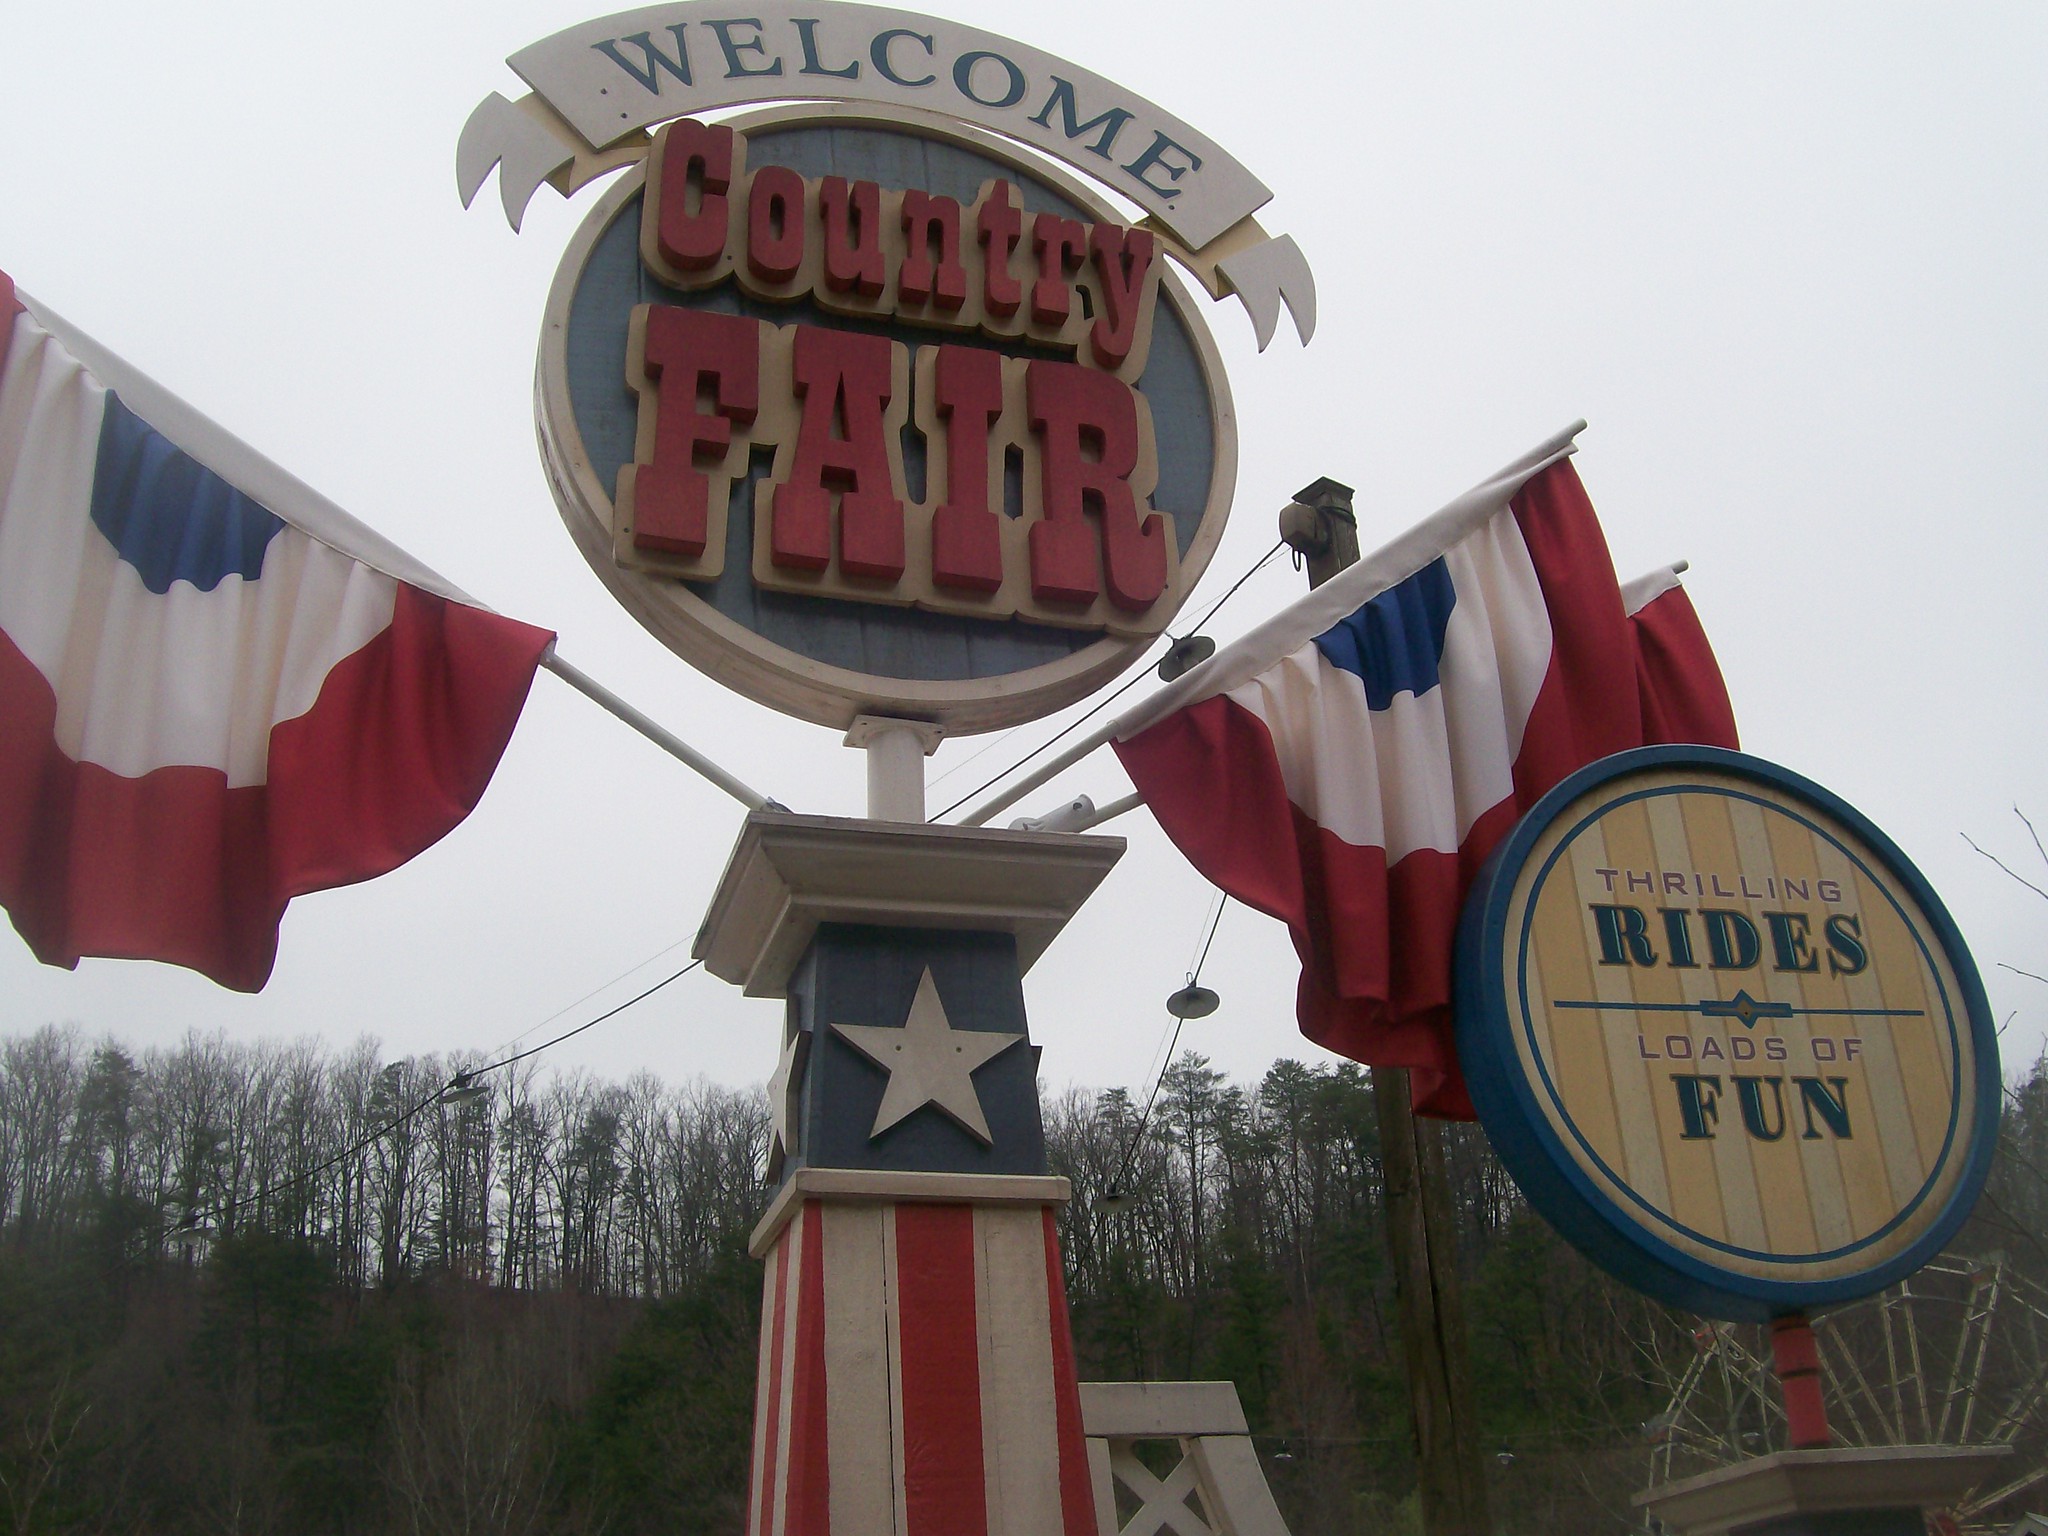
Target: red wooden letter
<point x="967" y="541"/>
<point x="929" y="221"/>
<point x="997" y="227"/>
<point x="1073" y="408"/>
<point x="775" y="224"/>
<point x="1122" y="257"/>
<point x="696" y="166"/>
<point x="1060" y="244"/>
<point x="840" y="376"/>
<point x="688" y="351"/>
<point x="853" y="236"/>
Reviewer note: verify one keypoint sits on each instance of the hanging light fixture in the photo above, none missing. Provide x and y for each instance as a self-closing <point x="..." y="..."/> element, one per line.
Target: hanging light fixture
<point x="465" y="1089"/>
<point x="1113" y="1199"/>
<point x="1188" y="652"/>
<point x="1193" y="1002"/>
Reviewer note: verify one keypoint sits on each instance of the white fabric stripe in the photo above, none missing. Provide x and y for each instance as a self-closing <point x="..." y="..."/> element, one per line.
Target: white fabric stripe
<point x="1298" y="623"/>
<point x="248" y="471"/>
<point x="1645" y="590"/>
<point x="1419" y="773"/>
<point x="859" y="1297"/>
<point x="792" y="1295"/>
<point x="143" y="680"/>
<point x="758" y="1478"/>
<point x="50" y="415"/>
<point x="1019" y="1419"/>
<point x="899" y="1492"/>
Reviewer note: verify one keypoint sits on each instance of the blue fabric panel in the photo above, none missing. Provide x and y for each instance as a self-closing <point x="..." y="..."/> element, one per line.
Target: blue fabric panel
<point x="169" y="516"/>
<point x="1395" y="642"/>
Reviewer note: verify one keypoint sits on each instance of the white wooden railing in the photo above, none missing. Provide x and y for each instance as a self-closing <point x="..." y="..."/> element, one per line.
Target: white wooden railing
<point x="1216" y="1488"/>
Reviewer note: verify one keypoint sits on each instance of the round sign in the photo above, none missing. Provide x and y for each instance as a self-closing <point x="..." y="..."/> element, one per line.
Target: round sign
<point x="861" y="412"/>
<point x="1724" y="1035"/>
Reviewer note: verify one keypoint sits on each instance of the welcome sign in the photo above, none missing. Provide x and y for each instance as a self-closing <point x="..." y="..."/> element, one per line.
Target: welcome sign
<point x="833" y="402"/>
<point x="866" y="406"/>
<point x="1725" y="1035"/>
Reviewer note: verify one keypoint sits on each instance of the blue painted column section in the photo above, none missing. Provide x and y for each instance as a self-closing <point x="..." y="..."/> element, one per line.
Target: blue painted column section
<point x="860" y="975"/>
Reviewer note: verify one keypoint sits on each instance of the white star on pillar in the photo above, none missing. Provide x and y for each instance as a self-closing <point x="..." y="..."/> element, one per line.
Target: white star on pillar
<point x="787" y="1073"/>
<point x="928" y="1062"/>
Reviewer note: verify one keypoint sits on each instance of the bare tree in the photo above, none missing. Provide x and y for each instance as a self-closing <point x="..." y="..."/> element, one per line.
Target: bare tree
<point x="467" y="1448"/>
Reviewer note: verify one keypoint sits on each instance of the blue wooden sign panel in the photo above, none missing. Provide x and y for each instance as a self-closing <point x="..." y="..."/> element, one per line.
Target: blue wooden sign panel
<point x="867" y="638"/>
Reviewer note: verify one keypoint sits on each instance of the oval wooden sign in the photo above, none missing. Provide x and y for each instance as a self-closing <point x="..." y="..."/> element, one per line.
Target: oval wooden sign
<point x="1725" y="1036"/>
<point x="863" y="412"/>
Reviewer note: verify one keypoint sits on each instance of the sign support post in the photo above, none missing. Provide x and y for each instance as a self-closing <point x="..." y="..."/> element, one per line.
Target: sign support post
<point x="1795" y="1356"/>
<point x="1421" y="1238"/>
<point x="1729" y="1042"/>
<point x="864" y="405"/>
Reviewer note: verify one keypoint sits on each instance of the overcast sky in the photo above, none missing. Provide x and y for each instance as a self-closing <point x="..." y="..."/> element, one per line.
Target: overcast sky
<point x="1788" y="261"/>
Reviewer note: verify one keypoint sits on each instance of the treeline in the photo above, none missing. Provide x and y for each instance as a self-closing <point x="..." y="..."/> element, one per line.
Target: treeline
<point x="555" y="1182"/>
<point x="229" y="1304"/>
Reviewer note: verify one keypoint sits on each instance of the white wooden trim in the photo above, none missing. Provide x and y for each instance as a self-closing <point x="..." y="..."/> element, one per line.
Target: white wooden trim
<point x="789" y="873"/>
<point x="1150" y="1410"/>
<point x="896" y="1188"/>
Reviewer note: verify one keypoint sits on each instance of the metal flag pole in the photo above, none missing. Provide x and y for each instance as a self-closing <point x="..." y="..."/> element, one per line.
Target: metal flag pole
<point x="1363" y="578"/>
<point x="291" y="499"/>
<point x="666" y="739"/>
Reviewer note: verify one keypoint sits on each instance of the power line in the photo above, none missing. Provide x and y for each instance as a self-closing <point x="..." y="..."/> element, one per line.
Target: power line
<point x="1045" y="746"/>
<point x="462" y="1079"/>
<point x="604" y="986"/>
<point x="1129" y="683"/>
<point x="468" y="1077"/>
<point x="570" y="1034"/>
<point x="1202" y="958"/>
<point x="1145" y="1119"/>
<point x="1263" y="561"/>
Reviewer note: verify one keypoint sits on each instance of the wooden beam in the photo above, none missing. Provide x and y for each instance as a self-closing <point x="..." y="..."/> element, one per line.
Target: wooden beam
<point x="1421" y="1231"/>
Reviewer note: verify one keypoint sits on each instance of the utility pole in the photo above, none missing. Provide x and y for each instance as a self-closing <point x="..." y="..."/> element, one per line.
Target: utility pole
<point x="1322" y="527"/>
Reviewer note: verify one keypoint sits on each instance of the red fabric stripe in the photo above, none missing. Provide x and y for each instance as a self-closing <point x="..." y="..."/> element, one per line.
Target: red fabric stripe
<point x="945" y="1488"/>
<point x="771" y="1467"/>
<point x="1077" y="1496"/>
<point x="809" y="1511"/>
<point x="1683" y="697"/>
<point x="757" y="1467"/>
<point x="177" y="866"/>
<point x="10" y="306"/>
<point x="1586" y="708"/>
<point x="1376" y="943"/>
<point x="1208" y="759"/>
<point x="1376" y="963"/>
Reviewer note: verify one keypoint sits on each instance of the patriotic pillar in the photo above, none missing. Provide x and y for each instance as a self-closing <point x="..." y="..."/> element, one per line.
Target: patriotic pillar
<point x="916" y="1370"/>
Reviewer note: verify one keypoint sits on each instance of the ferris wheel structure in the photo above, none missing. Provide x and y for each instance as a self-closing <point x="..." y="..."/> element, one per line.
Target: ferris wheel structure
<point x="1955" y="1355"/>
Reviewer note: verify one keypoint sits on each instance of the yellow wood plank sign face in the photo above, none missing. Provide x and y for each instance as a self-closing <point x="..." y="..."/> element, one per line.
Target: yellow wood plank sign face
<point x="1725" y="1035"/>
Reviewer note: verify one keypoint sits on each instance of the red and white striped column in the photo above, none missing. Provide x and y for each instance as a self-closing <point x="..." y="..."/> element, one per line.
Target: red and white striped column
<point x="917" y="1365"/>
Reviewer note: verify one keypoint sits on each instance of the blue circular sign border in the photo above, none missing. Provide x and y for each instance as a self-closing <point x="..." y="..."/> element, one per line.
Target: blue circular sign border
<point x="1586" y="1147"/>
<point x="1510" y="1108"/>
